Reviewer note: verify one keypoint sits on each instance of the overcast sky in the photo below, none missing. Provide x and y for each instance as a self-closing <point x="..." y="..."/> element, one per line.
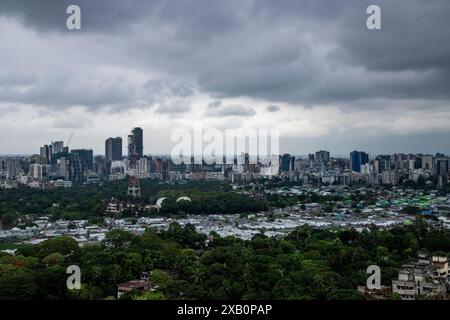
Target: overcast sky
<point x="309" y="68"/>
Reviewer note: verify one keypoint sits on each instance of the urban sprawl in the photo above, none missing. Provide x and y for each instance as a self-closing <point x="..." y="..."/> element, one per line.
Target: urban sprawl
<point x="359" y="191"/>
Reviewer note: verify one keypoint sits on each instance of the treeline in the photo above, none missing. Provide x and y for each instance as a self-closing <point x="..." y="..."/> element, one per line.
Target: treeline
<point x="306" y="264"/>
<point x="208" y="203"/>
<point x="87" y="201"/>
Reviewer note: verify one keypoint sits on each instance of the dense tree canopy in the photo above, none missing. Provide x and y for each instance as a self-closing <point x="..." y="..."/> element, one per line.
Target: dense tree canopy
<point x="89" y="201"/>
<point x="306" y="264"/>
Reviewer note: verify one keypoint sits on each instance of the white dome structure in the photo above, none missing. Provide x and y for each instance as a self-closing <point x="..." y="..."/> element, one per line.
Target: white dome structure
<point x="184" y="199"/>
<point x="159" y="202"/>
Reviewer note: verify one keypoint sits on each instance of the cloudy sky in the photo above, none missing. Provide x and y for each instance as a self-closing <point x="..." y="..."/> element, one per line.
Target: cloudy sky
<point x="309" y="68"/>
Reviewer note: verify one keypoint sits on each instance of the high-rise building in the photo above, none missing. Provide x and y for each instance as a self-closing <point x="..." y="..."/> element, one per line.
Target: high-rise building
<point x="113" y="149"/>
<point x="37" y="171"/>
<point x="63" y="168"/>
<point x="56" y="156"/>
<point x="286" y="162"/>
<point x="165" y="169"/>
<point x="427" y="162"/>
<point x="137" y="133"/>
<point x="441" y="171"/>
<point x="143" y="165"/>
<point x="87" y="156"/>
<point x="77" y="167"/>
<point x="12" y="169"/>
<point x="100" y="165"/>
<point x="57" y="147"/>
<point x="442" y="166"/>
<point x="322" y="156"/>
<point x="2" y="168"/>
<point x="357" y="159"/>
<point x="382" y="163"/>
<point x="134" y="190"/>
<point x="158" y="165"/>
<point x="46" y="154"/>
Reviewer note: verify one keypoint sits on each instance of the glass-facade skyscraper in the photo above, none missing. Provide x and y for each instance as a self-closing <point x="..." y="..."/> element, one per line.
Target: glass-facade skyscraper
<point x="357" y="159"/>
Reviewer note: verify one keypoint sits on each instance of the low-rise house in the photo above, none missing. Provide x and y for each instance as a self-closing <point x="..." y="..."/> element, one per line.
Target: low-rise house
<point x="441" y="265"/>
<point x="114" y="207"/>
<point x="381" y="293"/>
<point x="426" y="278"/>
<point x="140" y="285"/>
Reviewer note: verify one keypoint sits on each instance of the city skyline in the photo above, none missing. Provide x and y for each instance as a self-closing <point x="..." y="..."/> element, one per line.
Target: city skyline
<point x="304" y="154"/>
<point x="115" y="149"/>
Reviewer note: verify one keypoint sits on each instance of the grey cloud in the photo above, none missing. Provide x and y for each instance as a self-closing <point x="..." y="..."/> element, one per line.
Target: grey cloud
<point x="171" y="98"/>
<point x="69" y="123"/>
<point x="273" y="108"/>
<point x="159" y="87"/>
<point x="323" y="55"/>
<point x="50" y="15"/>
<point x="114" y="16"/>
<point x="215" y="104"/>
<point x="61" y="91"/>
<point x="217" y="109"/>
<point x="176" y="107"/>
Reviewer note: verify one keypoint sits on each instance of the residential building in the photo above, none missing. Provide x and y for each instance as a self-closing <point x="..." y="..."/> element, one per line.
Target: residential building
<point x="426" y="278"/>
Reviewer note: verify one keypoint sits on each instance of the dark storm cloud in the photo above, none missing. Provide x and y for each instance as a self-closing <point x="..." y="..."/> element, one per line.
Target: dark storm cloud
<point x="50" y="15"/>
<point x="310" y="52"/>
<point x="199" y="17"/>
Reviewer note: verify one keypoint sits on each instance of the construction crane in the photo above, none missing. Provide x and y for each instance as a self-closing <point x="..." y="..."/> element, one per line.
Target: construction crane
<point x="68" y="142"/>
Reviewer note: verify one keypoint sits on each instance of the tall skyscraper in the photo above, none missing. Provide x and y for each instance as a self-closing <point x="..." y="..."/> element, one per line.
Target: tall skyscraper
<point x="86" y="155"/>
<point x="427" y="162"/>
<point x="286" y="162"/>
<point x="12" y="169"/>
<point x="76" y="166"/>
<point x="113" y="149"/>
<point x="137" y="133"/>
<point x="57" y="147"/>
<point x="442" y="171"/>
<point x="46" y="154"/>
<point x="357" y="159"/>
<point x="442" y="166"/>
<point x="134" y="190"/>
